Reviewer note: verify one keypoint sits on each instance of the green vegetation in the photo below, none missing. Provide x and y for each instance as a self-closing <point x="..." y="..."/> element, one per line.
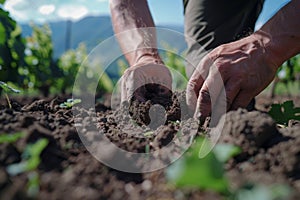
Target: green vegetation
<point x="40" y="68"/>
<point x="208" y="173"/>
<point x="31" y="158"/>
<point x="175" y="62"/>
<point x="8" y="89"/>
<point x="287" y="80"/>
<point x="11" y="138"/>
<point x="29" y="63"/>
<point x="70" y="103"/>
<point x="284" y="112"/>
<point x="11" y="48"/>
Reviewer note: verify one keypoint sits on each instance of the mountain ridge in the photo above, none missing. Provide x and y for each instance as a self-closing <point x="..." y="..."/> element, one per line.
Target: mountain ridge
<point x="85" y="30"/>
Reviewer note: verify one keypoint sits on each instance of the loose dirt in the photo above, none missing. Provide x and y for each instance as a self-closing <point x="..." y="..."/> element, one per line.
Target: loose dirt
<point x="270" y="154"/>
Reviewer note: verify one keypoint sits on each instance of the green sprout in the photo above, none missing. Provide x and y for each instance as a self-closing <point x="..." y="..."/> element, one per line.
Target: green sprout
<point x="204" y="173"/>
<point x="148" y="134"/>
<point x="30" y="162"/>
<point x="33" y="185"/>
<point x="11" y="138"/>
<point x="8" y="89"/>
<point x="70" y="103"/>
<point x="31" y="158"/>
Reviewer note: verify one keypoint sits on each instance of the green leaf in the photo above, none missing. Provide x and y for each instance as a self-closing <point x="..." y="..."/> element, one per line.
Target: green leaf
<point x="224" y="152"/>
<point x="11" y="138"/>
<point x="148" y="134"/>
<point x="31" y="157"/>
<point x="2" y="1"/>
<point x="282" y="113"/>
<point x="2" y="34"/>
<point x="70" y="103"/>
<point x="8" y="88"/>
<point x="33" y="185"/>
<point x="205" y="173"/>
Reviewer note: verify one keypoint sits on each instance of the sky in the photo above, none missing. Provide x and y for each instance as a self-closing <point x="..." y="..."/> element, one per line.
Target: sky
<point x="163" y="11"/>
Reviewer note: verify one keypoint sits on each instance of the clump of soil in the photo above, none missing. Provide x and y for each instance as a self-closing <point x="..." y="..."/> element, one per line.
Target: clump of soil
<point x="169" y="109"/>
<point x="272" y="153"/>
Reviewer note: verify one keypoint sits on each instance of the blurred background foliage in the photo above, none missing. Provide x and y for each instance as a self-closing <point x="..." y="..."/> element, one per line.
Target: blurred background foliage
<point x="28" y="64"/>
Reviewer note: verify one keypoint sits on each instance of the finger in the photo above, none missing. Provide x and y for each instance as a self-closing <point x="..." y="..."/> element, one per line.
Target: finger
<point x="224" y="101"/>
<point x="232" y="89"/>
<point x="123" y="90"/>
<point x="195" y="83"/>
<point x="242" y="100"/>
<point x="209" y="92"/>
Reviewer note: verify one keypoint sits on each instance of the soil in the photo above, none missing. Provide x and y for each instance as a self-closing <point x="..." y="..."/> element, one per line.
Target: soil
<point x="270" y="154"/>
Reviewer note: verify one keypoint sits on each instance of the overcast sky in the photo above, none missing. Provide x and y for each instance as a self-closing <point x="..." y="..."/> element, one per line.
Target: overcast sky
<point x="163" y="11"/>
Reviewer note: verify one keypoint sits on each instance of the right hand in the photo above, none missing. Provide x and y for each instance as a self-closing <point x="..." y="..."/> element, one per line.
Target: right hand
<point x="242" y="68"/>
<point x="136" y="77"/>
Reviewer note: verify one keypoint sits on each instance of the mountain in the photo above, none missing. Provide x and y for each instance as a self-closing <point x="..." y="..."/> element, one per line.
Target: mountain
<point x="91" y="30"/>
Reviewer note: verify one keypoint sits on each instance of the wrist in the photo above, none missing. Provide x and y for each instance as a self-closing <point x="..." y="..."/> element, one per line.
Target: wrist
<point x="270" y="50"/>
<point x="144" y="59"/>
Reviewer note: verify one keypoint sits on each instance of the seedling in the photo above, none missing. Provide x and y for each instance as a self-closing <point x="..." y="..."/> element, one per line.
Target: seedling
<point x="70" y="103"/>
<point x="33" y="185"/>
<point x="8" y="89"/>
<point x="148" y="134"/>
<point x="11" y="138"/>
<point x="204" y="173"/>
<point x="282" y="113"/>
<point x="31" y="158"/>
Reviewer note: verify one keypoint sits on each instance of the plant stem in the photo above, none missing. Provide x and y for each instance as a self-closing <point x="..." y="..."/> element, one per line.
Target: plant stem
<point x="8" y="101"/>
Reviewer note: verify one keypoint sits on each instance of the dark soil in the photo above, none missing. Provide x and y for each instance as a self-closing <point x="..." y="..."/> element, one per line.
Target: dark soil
<point x="270" y="154"/>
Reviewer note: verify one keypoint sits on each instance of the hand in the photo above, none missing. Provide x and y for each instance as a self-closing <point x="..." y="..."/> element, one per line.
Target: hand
<point x="241" y="69"/>
<point x="136" y="77"/>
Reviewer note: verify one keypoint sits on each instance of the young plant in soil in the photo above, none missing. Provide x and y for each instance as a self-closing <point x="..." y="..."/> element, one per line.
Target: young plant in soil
<point x="30" y="162"/>
<point x="6" y="88"/>
<point x="11" y="138"/>
<point x="284" y="112"/>
<point x="208" y="173"/>
<point x="70" y="103"/>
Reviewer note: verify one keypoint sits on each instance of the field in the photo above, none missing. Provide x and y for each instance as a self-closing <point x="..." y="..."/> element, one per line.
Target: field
<point x="268" y="159"/>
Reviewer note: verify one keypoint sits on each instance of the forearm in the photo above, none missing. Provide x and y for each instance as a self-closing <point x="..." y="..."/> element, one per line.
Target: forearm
<point x="130" y="18"/>
<point x="281" y="34"/>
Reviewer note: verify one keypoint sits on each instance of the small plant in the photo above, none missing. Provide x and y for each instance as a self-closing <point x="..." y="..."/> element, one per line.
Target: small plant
<point x="284" y="112"/>
<point x="11" y="138"/>
<point x="8" y="89"/>
<point x="31" y="158"/>
<point x="70" y="103"/>
<point x="205" y="173"/>
<point x="148" y="134"/>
